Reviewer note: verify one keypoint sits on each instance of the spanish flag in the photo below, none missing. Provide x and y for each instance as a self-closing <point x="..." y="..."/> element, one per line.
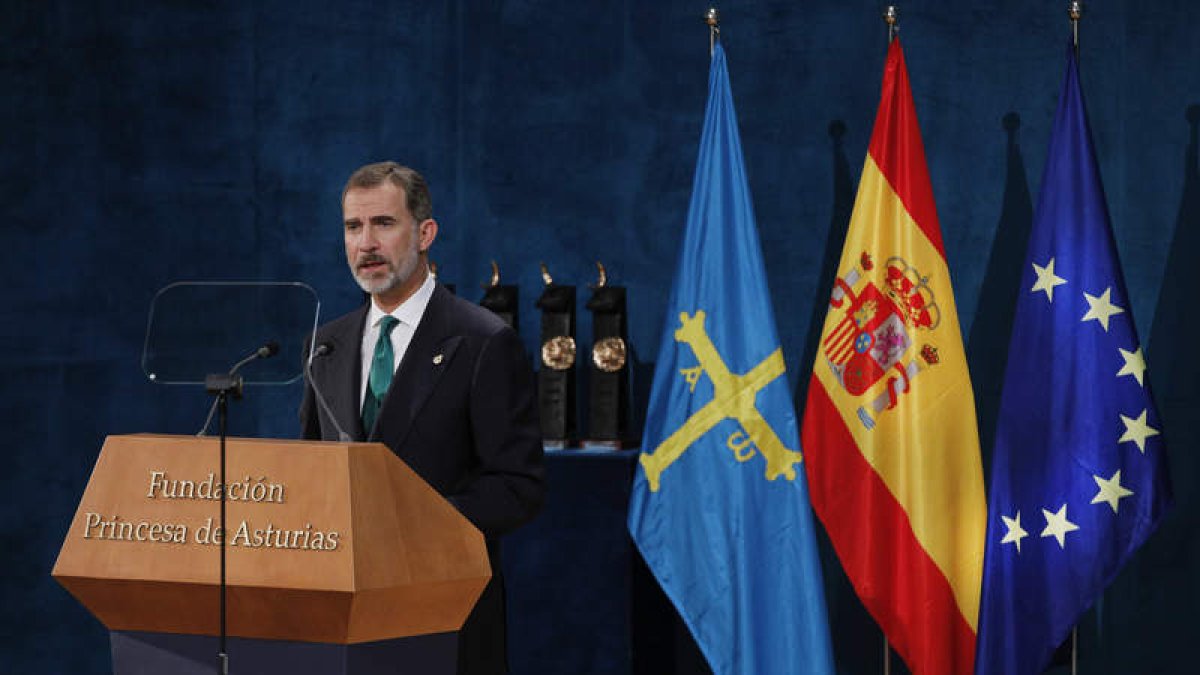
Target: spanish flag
<point x="889" y="428"/>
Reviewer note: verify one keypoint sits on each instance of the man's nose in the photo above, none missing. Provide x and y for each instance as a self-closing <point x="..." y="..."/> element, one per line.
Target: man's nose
<point x="367" y="241"/>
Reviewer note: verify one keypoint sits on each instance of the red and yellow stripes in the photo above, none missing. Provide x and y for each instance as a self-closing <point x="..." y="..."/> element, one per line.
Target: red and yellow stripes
<point x="900" y="488"/>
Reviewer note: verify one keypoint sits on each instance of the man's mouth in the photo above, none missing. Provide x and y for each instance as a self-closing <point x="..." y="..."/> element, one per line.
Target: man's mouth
<point x="371" y="264"/>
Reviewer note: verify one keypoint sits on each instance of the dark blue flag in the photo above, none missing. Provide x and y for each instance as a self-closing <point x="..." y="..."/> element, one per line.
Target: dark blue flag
<point x="720" y="506"/>
<point x="1079" y="474"/>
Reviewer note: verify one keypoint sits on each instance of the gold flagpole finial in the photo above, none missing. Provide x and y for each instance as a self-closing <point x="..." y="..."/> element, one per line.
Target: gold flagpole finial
<point x="546" y="278"/>
<point x="713" y="18"/>
<point x="1075" y="11"/>
<point x="891" y="16"/>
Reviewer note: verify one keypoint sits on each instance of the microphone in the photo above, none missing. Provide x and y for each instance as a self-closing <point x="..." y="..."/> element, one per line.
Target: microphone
<point x="323" y="349"/>
<point x="267" y="350"/>
<point x="271" y="348"/>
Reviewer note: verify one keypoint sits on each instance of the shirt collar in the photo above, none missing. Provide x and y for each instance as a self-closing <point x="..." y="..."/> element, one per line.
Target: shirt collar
<point x="410" y="311"/>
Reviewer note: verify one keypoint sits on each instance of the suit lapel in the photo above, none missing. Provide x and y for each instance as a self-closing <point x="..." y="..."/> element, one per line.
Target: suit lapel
<point x="429" y="353"/>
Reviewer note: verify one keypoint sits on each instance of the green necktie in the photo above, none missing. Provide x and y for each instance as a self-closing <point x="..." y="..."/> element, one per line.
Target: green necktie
<point x="382" y="365"/>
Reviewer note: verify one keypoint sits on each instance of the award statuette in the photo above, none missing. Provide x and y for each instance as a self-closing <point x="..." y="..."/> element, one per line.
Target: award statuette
<point x="608" y="373"/>
<point x="501" y="299"/>
<point x="556" y="377"/>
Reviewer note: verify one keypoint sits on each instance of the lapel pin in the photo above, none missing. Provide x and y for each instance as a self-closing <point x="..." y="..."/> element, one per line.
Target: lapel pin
<point x="437" y="360"/>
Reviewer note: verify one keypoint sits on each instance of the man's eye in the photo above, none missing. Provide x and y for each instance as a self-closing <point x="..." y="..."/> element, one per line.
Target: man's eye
<point x="352" y="227"/>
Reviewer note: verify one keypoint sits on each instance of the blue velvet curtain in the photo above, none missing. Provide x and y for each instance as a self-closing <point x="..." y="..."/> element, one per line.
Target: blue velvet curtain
<point x="144" y="143"/>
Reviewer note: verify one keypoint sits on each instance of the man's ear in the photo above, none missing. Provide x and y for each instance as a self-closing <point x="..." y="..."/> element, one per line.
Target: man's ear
<point x="428" y="232"/>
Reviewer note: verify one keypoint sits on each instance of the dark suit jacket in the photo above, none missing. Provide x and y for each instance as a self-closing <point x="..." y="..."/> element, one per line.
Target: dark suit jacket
<point x="461" y="412"/>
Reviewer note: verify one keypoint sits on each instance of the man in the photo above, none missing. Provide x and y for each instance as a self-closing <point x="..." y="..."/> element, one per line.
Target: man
<point x="442" y="382"/>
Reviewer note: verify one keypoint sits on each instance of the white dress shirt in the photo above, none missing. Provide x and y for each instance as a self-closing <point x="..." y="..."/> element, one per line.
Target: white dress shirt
<point x="409" y="315"/>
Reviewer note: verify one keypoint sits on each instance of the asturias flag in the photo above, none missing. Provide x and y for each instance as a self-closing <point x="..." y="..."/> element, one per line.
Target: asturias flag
<point x="720" y="508"/>
<point x="889" y="431"/>
<point x="1079" y="474"/>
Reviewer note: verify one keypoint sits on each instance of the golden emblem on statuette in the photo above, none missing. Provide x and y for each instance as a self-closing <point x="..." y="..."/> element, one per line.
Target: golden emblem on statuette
<point x="609" y="354"/>
<point x="558" y="353"/>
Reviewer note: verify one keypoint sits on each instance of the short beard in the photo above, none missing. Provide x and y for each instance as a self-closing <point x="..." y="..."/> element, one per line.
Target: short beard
<point x="395" y="277"/>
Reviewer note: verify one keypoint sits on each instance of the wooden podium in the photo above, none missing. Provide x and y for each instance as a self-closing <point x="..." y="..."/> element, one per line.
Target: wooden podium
<point x="340" y="559"/>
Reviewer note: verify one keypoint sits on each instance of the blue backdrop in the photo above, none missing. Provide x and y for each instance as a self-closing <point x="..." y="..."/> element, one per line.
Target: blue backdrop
<point x="144" y="143"/>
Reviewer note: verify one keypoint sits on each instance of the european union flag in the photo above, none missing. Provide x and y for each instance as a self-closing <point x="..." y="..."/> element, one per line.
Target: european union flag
<point x="720" y="506"/>
<point x="1079" y="474"/>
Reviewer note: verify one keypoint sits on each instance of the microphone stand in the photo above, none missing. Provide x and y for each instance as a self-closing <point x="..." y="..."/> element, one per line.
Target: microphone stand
<point x="324" y="349"/>
<point x="224" y="385"/>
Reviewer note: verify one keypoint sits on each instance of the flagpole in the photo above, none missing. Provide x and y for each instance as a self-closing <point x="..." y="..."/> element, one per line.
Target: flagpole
<point x="891" y="16"/>
<point x="1075" y="650"/>
<point x="713" y="18"/>
<point x="1075" y="10"/>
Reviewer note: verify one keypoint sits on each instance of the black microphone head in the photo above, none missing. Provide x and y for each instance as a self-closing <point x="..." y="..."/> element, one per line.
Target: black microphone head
<point x="271" y="348"/>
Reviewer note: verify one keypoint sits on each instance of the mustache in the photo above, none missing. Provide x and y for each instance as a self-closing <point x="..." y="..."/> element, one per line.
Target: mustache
<point x="370" y="259"/>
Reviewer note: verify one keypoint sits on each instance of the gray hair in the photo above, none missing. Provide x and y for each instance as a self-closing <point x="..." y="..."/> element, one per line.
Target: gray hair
<point x="416" y="191"/>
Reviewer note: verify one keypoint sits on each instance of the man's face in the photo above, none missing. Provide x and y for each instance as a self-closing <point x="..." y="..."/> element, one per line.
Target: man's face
<point x="382" y="245"/>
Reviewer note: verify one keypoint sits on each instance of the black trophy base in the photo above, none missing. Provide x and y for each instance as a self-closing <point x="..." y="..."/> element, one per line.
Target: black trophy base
<point x="136" y="653"/>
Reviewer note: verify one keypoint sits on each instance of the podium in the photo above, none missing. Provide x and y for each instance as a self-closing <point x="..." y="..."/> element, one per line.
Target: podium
<point x="340" y="559"/>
